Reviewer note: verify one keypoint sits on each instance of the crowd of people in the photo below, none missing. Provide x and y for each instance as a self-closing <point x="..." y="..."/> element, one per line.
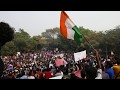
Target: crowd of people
<point x="42" y="65"/>
<point x="46" y="64"/>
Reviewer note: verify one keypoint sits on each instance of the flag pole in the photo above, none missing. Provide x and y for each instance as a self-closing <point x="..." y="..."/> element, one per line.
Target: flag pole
<point x="96" y="52"/>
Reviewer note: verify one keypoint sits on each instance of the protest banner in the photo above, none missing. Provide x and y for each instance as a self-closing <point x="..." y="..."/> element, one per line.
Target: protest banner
<point x="80" y="55"/>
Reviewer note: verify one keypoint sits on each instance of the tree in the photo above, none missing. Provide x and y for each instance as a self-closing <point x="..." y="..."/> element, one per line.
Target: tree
<point x="21" y="44"/>
<point x="41" y="41"/>
<point x="50" y="33"/>
<point x="31" y="44"/>
<point x="22" y="34"/>
<point x="50" y="36"/>
<point x="113" y="42"/>
<point x="9" y="49"/>
<point x="22" y="41"/>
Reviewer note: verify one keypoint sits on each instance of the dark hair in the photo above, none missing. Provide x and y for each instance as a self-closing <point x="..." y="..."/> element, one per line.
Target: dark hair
<point x="91" y="72"/>
<point x="65" y="71"/>
<point x="103" y="68"/>
<point x="109" y="63"/>
<point x="83" y="74"/>
<point x="23" y="73"/>
<point x="73" y="76"/>
<point x="118" y="61"/>
<point x="30" y="73"/>
<point x="37" y="69"/>
<point x="6" y="35"/>
<point x="48" y="69"/>
<point x="1" y="67"/>
<point x="34" y="71"/>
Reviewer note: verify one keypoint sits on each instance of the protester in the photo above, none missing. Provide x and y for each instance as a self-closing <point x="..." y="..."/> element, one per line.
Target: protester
<point x="109" y="69"/>
<point x="40" y="65"/>
<point x="83" y="75"/>
<point x="48" y="74"/>
<point x="24" y="76"/>
<point x="59" y="73"/>
<point x="91" y="72"/>
<point x="73" y="76"/>
<point x="104" y="74"/>
<point x="116" y="69"/>
<point x="6" y="35"/>
<point x="30" y="77"/>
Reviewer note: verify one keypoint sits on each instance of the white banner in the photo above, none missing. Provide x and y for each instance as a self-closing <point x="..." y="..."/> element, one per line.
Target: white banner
<point x="80" y="55"/>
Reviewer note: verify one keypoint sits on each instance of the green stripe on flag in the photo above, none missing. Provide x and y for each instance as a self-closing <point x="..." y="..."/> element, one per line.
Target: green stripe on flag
<point x="78" y="34"/>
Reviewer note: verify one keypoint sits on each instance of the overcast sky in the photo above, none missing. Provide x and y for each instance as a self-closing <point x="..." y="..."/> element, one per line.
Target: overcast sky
<point x="35" y="22"/>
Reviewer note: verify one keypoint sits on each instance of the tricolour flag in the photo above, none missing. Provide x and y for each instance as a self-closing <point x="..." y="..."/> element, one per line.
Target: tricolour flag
<point x="68" y="29"/>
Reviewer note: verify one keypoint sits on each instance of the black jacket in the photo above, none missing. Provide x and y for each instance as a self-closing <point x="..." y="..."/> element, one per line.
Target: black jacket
<point x="1" y="67"/>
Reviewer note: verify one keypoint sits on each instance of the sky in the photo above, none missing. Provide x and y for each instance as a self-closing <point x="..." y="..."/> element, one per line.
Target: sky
<point x="36" y="22"/>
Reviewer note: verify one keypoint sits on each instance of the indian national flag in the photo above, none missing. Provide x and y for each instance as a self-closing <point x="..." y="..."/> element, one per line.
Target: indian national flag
<point x="68" y="29"/>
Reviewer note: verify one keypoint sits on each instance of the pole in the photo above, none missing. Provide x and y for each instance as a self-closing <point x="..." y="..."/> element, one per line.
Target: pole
<point x="96" y="52"/>
<point x="89" y="43"/>
<point x="106" y="44"/>
<point x="53" y="41"/>
<point x="106" y="53"/>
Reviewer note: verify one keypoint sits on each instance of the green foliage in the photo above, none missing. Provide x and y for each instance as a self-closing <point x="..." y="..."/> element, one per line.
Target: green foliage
<point x="113" y="40"/>
<point x="8" y="49"/>
<point x="22" y="42"/>
<point x="21" y="34"/>
<point x="51" y="38"/>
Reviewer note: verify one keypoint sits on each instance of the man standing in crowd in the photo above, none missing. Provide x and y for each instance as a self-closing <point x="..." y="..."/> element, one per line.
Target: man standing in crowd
<point x="116" y="69"/>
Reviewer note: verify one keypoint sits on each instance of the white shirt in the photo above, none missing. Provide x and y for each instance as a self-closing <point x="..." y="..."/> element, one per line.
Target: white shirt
<point x="31" y="77"/>
<point x="99" y="76"/>
<point x="59" y="74"/>
<point x="50" y="65"/>
<point x="24" y="77"/>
